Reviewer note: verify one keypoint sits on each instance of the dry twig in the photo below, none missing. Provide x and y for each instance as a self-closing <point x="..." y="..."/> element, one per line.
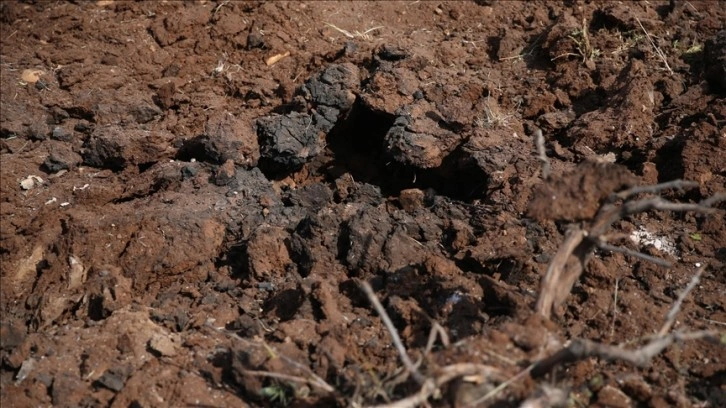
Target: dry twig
<point x="671" y="316"/>
<point x="412" y="369"/>
<point x="311" y="378"/>
<point x="658" y="51"/>
<point x="364" y="35"/>
<point x="635" y="254"/>
<point x="539" y="142"/>
<point x="444" y="376"/>
<point x="573" y="255"/>
<point x="579" y="349"/>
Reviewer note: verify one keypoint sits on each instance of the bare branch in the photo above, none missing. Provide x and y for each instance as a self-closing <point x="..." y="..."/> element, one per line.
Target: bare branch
<point x="504" y="385"/>
<point x="314" y="380"/>
<point x="553" y="289"/>
<point x="658" y="203"/>
<point x="671" y="316"/>
<point x="612" y="248"/>
<point x="436" y="331"/>
<point x="405" y="359"/>
<point x="714" y="199"/>
<point x="291" y="378"/>
<point x="573" y="255"/>
<point x="546" y="397"/>
<point x="654" y="188"/>
<point x="615" y="307"/>
<point x="444" y="376"/>
<point x="580" y="349"/>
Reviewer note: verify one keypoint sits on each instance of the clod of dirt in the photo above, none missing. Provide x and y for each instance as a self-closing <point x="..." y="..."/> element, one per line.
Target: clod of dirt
<point x="224" y="173"/>
<point x="267" y="254"/>
<point x="53" y="164"/>
<point x="37" y="131"/>
<point x="626" y="117"/>
<point x="114" y="148"/>
<point x="234" y="137"/>
<point x="288" y="142"/>
<point x="164" y="97"/>
<point x="312" y="197"/>
<point x="163" y="345"/>
<point x="334" y="87"/>
<point x="554" y="121"/>
<point x="577" y="196"/>
<point x="108" y="290"/>
<point x="367" y="231"/>
<point x="411" y="199"/>
<point x="417" y="137"/>
<point x="12" y="333"/>
<point x="114" y="378"/>
<point x="714" y="59"/>
<point x="610" y="396"/>
<point x="144" y="113"/>
<point x="61" y="134"/>
<point x="255" y="40"/>
<point x="388" y="52"/>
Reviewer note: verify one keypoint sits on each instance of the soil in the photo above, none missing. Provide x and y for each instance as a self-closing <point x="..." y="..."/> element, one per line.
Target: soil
<point x="212" y="180"/>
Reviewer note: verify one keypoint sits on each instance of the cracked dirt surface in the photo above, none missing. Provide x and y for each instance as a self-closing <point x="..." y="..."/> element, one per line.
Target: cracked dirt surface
<point x="212" y="179"/>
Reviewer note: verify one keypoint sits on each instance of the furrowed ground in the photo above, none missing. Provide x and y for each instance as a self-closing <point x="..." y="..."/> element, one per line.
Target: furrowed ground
<point x="195" y="196"/>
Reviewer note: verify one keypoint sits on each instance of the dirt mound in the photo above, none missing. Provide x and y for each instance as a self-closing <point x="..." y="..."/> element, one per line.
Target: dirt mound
<point x="202" y="203"/>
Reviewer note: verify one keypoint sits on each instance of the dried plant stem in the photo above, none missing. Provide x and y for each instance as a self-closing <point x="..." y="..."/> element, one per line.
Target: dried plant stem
<point x="671" y="316"/>
<point x="291" y="378"/>
<point x="443" y="376"/>
<point x="580" y="349"/>
<point x="658" y="261"/>
<point x="311" y="378"/>
<point x="539" y="142"/>
<point x="573" y="255"/>
<point x="677" y="184"/>
<point x="615" y="307"/>
<point x="405" y="359"/>
<point x="658" y="51"/>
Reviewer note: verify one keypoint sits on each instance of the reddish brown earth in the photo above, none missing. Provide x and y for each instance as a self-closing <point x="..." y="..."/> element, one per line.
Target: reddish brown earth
<point x="204" y="216"/>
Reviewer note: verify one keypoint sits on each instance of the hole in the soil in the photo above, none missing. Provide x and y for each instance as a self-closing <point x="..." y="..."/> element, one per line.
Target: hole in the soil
<point x="351" y="289"/>
<point x="78" y="112"/>
<point x="145" y="166"/>
<point x="96" y="310"/>
<point x="589" y="101"/>
<point x="687" y="121"/>
<point x="358" y="143"/>
<point x="633" y="159"/>
<point x="601" y="20"/>
<point x="720" y="254"/>
<point x="669" y="162"/>
<point x="200" y="148"/>
<point x="285" y="303"/>
<point x="510" y="270"/>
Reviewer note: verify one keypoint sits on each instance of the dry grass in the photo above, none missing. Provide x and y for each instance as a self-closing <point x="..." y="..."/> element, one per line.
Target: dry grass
<point x="365" y="34"/>
<point x="657" y="50"/>
<point x="583" y="46"/>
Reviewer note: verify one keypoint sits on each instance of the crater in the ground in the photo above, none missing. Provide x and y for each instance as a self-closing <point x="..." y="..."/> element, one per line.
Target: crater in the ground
<point x="357" y="143"/>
